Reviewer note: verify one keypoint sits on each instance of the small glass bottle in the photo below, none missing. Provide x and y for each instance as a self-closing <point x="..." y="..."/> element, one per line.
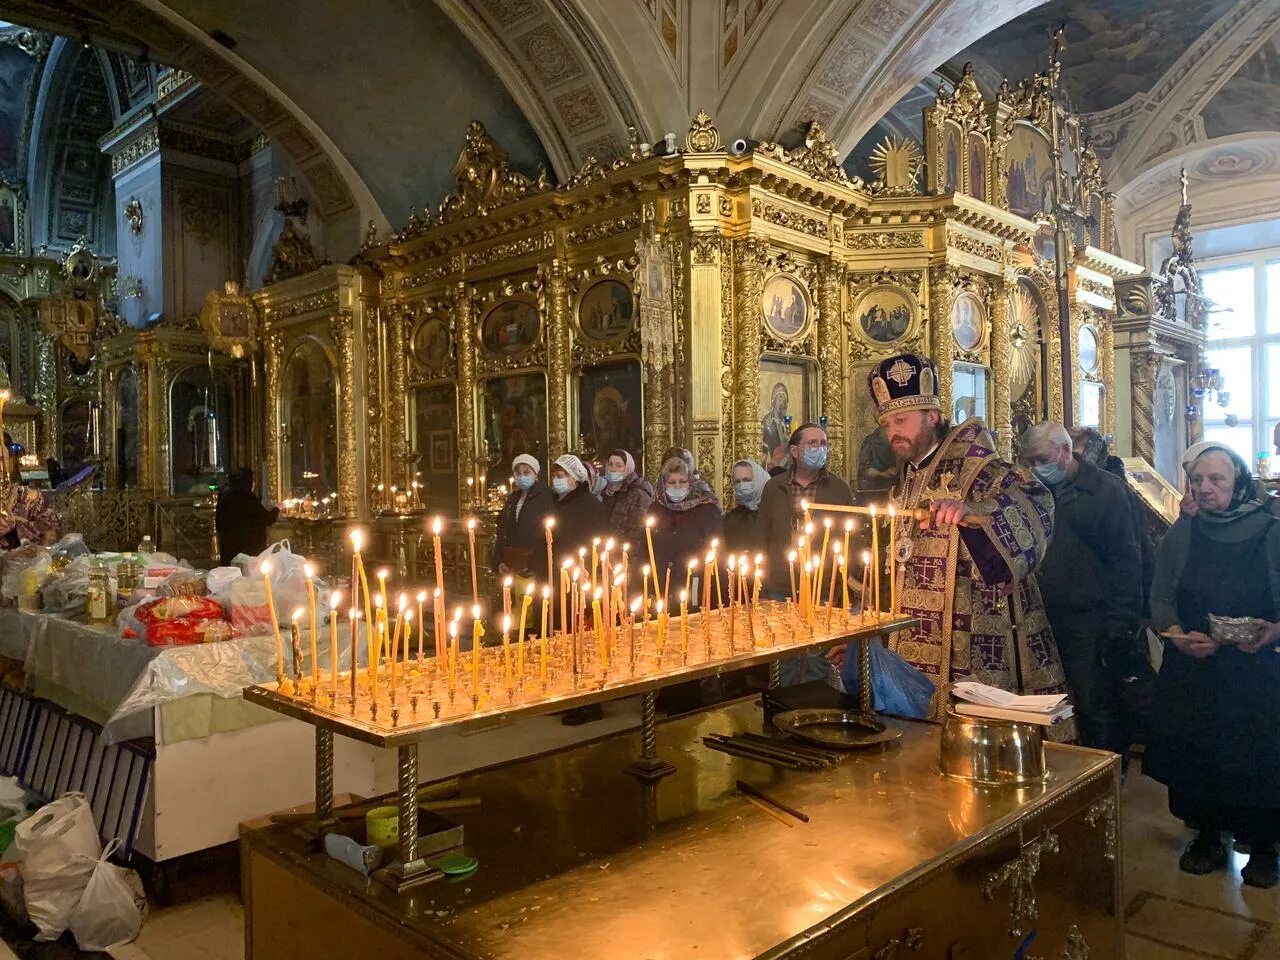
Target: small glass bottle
<point x="146" y="546"/>
<point x="99" y="593"/>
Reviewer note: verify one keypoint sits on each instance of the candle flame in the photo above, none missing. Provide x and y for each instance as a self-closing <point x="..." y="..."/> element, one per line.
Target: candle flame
<point x="266" y="567"/>
<point x="732" y="562"/>
<point x="804" y="504"/>
<point x="422" y="596"/>
<point x="457" y="613"/>
<point x="475" y="611"/>
<point x="297" y="615"/>
<point x="308" y="570"/>
<point x="582" y="552"/>
<point x="453" y="629"/>
<point x="436" y="526"/>
<point x="715" y="542"/>
<point x="357" y="538"/>
<point x="635" y="606"/>
<point x="617" y="581"/>
<point x="608" y="544"/>
<point x="528" y="590"/>
<point x="408" y="616"/>
<point x="827" y="523"/>
<point x="546" y="593"/>
<point x="436" y="593"/>
<point x="353" y="614"/>
<point x="576" y="573"/>
<point x="598" y="594"/>
<point x="334" y="599"/>
<point x="791" y="557"/>
<point x="471" y="523"/>
<point x="759" y="559"/>
<point x="658" y="606"/>
<point x="684" y="597"/>
<point x="626" y="548"/>
<point x="892" y="510"/>
<point x="384" y="573"/>
<point x="873" y="511"/>
<point x="377" y="600"/>
<point x="711" y="557"/>
<point x="568" y="562"/>
<point x="506" y="623"/>
<point x="835" y="548"/>
<point x="645" y="570"/>
<point x="550" y="522"/>
<point x="404" y="600"/>
<point x="508" y="581"/>
<point x="866" y="556"/>
<point x="693" y="563"/>
<point x="595" y="541"/>
<point x="808" y="529"/>
<point x="649" y="521"/>
<point x="848" y="526"/>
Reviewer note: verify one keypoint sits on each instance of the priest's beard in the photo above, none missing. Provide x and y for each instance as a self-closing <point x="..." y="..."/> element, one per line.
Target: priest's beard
<point x="912" y="448"/>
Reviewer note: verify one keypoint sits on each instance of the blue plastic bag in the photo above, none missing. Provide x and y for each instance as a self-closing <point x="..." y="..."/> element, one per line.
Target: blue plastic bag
<point x="897" y="686"/>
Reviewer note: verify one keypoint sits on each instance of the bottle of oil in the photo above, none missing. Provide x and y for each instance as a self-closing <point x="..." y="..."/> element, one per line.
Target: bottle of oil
<point x="146" y="546"/>
<point x="99" y="595"/>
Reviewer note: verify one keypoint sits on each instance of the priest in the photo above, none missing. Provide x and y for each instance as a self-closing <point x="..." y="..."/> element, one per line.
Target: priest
<point x="965" y="572"/>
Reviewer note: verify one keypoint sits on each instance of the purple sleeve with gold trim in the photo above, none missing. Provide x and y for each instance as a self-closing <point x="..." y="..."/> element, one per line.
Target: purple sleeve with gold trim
<point x="1021" y="511"/>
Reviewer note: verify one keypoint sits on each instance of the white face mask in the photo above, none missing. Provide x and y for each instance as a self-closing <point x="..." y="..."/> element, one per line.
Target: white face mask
<point x="560" y="485"/>
<point x="676" y="494"/>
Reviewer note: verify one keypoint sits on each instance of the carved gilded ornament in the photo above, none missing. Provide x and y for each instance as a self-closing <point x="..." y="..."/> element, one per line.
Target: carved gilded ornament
<point x="702" y="136"/>
<point x="133" y="215"/>
<point x="792" y="219"/>
<point x="883" y="239"/>
<point x="964" y="104"/>
<point x="230" y="320"/>
<point x="293" y="255"/>
<point x="897" y="162"/>
<point x="483" y="179"/>
<point x="1019" y="876"/>
<point x="819" y="158"/>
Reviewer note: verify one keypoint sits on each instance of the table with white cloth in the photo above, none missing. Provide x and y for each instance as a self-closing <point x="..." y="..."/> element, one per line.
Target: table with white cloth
<point x="218" y="761"/>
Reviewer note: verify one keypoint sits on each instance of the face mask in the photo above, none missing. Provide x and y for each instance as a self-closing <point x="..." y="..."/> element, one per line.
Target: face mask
<point x="815" y="458"/>
<point x="560" y="485"/>
<point x="525" y="481"/>
<point x="598" y="486"/>
<point x="746" y="491"/>
<point x="616" y="476"/>
<point x="676" y="494"/>
<point x="1049" y="473"/>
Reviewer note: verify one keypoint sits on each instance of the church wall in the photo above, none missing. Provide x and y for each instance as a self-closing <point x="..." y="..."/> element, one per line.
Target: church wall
<point x="199" y="231"/>
<point x="140" y="251"/>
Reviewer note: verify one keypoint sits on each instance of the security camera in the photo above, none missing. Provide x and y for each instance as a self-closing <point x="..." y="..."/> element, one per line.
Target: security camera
<point x="740" y="147"/>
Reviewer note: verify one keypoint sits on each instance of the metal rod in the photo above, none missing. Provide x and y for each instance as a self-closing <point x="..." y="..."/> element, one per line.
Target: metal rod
<point x="866" y="697"/>
<point x="649" y="726"/>
<point x="324" y="774"/>
<point x="408" y="770"/>
<point x="775" y="674"/>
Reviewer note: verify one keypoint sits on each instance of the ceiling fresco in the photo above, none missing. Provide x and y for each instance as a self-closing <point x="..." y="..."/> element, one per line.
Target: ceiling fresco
<point x="1250" y="99"/>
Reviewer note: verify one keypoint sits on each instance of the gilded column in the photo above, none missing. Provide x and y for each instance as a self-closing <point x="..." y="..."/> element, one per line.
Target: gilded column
<point x="831" y="358"/>
<point x="940" y="295"/>
<point x="705" y="341"/>
<point x="144" y="358"/>
<point x="46" y="390"/>
<point x="1054" y="342"/>
<point x="375" y="435"/>
<point x="749" y="260"/>
<point x="273" y="481"/>
<point x="397" y="415"/>
<point x="1145" y="368"/>
<point x="1107" y="370"/>
<point x="1001" y="361"/>
<point x="464" y="323"/>
<point x="558" y="359"/>
<point x="342" y="328"/>
<point x="110" y="420"/>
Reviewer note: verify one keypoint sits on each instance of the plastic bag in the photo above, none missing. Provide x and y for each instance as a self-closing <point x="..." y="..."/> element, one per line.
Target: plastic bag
<point x="17" y="562"/>
<point x="897" y="687"/>
<point x="288" y="584"/>
<point x="219" y="581"/>
<point x="112" y="907"/>
<point x="59" y="847"/>
<point x="175" y="621"/>
<point x="67" y="590"/>
<point x="249" y="614"/>
<point x="70" y="548"/>
<point x="182" y="583"/>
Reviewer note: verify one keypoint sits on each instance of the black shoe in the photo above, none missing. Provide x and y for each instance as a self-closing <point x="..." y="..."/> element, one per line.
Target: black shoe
<point x="580" y="715"/>
<point x="1263" y="868"/>
<point x="1205" y="855"/>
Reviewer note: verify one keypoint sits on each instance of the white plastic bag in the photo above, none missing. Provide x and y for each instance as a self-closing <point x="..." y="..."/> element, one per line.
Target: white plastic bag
<point x="219" y="581"/>
<point x="111" y="911"/>
<point x="288" y="583"/>
<point x="59" y="847"/>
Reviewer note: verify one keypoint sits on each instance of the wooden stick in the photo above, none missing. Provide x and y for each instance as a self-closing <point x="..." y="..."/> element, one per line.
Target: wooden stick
<point x="919" y="513"/>
<point x="761" y="795"/>
<point x="769" y="810"/>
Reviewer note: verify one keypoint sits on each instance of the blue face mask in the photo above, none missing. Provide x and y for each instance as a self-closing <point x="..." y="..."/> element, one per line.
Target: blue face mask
<point x="616" y="476"/>
<point x="560" y="485"/>
<point x="815" y="458"/>
<point x="676" y="494"/>
<point x="525" y="481"/>
<point x="746" y="491"/>
<point x="1049" y="473"/>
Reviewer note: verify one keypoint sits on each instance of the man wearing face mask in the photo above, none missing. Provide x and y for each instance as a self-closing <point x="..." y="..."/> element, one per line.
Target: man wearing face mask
<point x="1090" y="579"/>
<point x="780" y="513"/>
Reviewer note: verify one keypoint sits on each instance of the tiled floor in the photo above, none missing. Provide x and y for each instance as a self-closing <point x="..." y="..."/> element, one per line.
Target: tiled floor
<point x="1169" y="915"/>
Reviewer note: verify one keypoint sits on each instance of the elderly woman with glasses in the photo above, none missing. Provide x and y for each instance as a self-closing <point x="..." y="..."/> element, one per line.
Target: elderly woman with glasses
<point x="1218" y="694"/>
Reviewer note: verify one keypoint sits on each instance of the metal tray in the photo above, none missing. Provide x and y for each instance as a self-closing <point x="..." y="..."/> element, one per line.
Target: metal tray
<point x="842" y="729"/>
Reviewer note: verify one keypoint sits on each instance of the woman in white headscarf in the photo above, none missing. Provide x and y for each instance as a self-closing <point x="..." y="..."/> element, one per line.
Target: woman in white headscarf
<point x="580" y="517"/>
<point x="742" y="530"/>
<point x="522" y="523"/>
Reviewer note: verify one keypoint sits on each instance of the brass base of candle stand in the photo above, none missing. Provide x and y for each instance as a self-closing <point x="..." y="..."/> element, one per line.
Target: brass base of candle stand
<point x="650" y="770"/>
<point x="407" y="876"/>
<point x="648" y="766"/>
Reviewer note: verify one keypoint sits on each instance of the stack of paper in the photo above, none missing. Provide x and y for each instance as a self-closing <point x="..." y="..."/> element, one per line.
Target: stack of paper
<point x="981" y="700"/>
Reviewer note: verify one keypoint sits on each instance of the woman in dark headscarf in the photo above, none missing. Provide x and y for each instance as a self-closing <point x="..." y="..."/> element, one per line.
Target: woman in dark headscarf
<point x="1218" y="696"/>
<point x="686" y="519"/>
<point x="627" y="497"/>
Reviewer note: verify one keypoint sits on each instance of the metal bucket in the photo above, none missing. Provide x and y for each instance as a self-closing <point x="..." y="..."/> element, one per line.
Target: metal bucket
<point x="996" y="752"/>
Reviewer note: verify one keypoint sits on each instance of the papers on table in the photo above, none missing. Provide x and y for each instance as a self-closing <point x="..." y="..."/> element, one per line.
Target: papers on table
<point x="981" y="700"/>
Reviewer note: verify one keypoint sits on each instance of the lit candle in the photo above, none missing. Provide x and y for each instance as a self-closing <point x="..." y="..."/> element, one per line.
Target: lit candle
<point x="715" y="569"/>
<point x="546" y="601"/>
<point x="403" y="653"/>
<point x="309" y="572"/>
<point x="395" y="638"/>
<point x="380" y="639"/>
<point x="436" y="526"/>
<point x="382" y="591"/>
<point x="506" y="595"/>
<point x="524" y="609"/>
<point x="644" y="590"/>
<point x="471" y="547"/>
<point x="564" y="597"/>
<point x="334" y="599"/>
<point x="658" y="607"/>
<point x="595" y="559"/>
<point x="422" y="625"/>
<point x="875" y="563"/>
<point x="848" y="529"/>
<point x="275" y="622"/>
<point x="477" y="634"/>
<point x="506" y="647"/>
<point x="354" y="618"/>
<point x="550" y="523"/>
<point x="844" y="576"/>
<point x="822" y="560"/>
<point x="295" y="640"/>
<point x="453" y="657"/>
<point x="791" y="567"/>
<point x="688" y="577"/>
<point x="893" y="566"/>
<point x="597" y="622"/>
<point x="684" y="625"/>
<point x="653" y="563"/>
<point x="831" y="593"/>
<point x="866" y="578"/>
<point x="706" y="587"/>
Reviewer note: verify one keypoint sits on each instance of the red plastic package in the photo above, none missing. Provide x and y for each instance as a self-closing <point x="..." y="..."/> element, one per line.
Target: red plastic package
<point x="177" y="621"/>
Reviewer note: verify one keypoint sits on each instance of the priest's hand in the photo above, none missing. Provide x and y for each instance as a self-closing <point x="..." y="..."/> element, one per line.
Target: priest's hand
<point x="835" y="656"/>
<point x="1193" y="644"/>
<point x="1268" y="635"/>
<point x="946" y="512"/>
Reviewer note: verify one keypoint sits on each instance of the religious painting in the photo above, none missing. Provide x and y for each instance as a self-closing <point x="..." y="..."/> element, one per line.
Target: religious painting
<point x="786" y="401"/>
<point x="309" y="420"/>
<point x="510" y="327"/>
<point x="1091" y="396"/>
<point x="977" y="167"/>
<point x="1095" y="221"/>
<point x="435" y="417"/>
<point x="885" y="314"/>
<point x="1087" y="349"/>
<point x="200" y="419"/>
<point x="606" y="311"/>
<point x="655" y="283"/>
<point x="1031" y="190"/>
<point x="968" y="321"/>
<point x="951" y="159"/>
<point x="77" y="438"/>
<point x="126" y="428"/>
<point x="514" y="420"/>
<point x="16" y="67"/>
<point x="968" y="392"/>
<point x="786" y="306"/>
<point x="433" y="343"/>
<point x="611" y="410"/>
<point x="876" y="467"/>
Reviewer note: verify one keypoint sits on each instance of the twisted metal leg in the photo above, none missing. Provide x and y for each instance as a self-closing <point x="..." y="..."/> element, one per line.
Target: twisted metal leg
<point x="324" y="774"/>
<point x="649" y="767"/>
<point x="408" y="776"/>
<point x="775" y="674"/>
<point x="866" y="698"/>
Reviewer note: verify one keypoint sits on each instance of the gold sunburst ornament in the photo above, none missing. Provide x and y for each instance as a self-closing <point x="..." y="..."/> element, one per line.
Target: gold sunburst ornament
<point x="1024" y="327"/>
<point x="896" y="162"/>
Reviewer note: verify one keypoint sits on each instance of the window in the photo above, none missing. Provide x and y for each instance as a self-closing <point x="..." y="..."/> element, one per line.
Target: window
<point x="1244" y="344"/>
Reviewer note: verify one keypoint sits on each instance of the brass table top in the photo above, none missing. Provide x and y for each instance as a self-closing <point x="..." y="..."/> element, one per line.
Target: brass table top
<point x="579" y="860"/>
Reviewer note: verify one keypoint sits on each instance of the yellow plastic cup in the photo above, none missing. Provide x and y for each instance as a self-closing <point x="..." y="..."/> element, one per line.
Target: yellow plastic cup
<point x="382" y="826"/>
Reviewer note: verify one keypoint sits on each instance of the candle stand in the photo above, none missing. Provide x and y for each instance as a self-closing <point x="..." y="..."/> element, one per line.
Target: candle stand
<point x="438" y="699"/>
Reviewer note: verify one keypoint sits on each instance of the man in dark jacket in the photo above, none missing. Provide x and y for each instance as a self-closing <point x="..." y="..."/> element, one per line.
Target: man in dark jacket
<point x="1090" y="579"/>
<point x="241" y="520"/>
